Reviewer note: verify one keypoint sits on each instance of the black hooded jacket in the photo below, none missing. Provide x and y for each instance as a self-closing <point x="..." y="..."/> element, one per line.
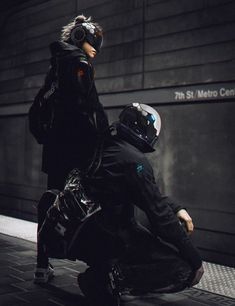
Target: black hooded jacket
<point x="125" y="180"/>
<point x="79" y="116"/>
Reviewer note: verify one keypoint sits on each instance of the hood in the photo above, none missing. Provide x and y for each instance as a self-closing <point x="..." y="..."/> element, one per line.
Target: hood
<point x="60" y="48"/>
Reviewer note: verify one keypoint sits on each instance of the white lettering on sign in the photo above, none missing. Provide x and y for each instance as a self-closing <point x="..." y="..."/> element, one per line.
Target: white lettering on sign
<point x="227" y="92"/>
<point x="179" y="95"/>
<point x="207" y="93"/>
<point x="203" y="94"/>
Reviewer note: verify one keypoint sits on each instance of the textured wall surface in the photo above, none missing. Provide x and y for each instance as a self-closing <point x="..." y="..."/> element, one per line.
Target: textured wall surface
<point x="150" y="45"/>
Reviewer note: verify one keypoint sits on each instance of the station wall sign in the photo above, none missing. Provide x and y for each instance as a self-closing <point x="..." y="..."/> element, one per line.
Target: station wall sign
<point x="205" y="92"/>
<point x="181" y="94"/>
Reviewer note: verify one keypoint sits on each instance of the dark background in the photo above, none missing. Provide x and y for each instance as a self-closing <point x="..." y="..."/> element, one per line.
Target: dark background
<point x="152" y="48"/>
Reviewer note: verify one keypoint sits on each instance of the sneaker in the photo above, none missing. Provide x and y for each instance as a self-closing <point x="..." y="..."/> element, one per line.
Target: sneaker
<point x="43" y="275"/>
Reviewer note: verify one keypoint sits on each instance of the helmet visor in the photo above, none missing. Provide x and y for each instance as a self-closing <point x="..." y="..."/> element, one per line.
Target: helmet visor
<point x="95" y="40"/>
<point x="150" y="120"/>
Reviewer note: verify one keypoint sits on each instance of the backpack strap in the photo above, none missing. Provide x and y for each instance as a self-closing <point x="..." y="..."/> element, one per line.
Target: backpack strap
<point x="52" y="82"/>
<point x="96" y="160"/>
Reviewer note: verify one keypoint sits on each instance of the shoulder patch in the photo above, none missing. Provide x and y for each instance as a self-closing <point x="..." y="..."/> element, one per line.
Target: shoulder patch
<point x="139" y="168"/>
<point x="80" y="72"/>
<point x="83" y="68"/>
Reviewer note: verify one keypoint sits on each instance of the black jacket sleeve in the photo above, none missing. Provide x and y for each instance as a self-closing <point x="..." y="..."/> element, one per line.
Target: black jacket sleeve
<point x="172" y="204"/>
<point x="160" y="211"/>
<point x="85" y="78"/>
<point x="86" y="88"/>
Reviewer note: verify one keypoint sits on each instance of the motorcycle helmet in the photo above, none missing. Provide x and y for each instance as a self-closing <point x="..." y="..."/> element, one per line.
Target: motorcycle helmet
<point x="140" y="125"/>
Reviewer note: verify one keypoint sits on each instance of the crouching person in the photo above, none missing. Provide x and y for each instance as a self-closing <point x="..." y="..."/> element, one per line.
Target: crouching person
<point x="120" y="251"/>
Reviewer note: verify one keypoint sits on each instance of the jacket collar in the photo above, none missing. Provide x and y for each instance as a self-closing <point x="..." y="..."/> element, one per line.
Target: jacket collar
<point x="60" y="48"/>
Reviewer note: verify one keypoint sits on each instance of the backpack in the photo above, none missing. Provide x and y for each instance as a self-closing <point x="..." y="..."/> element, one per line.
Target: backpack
<point x="42" y="111"/>
<point x="70" y="210"/>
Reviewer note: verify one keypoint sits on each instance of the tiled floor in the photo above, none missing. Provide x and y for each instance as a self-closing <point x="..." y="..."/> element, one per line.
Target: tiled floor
<point x="17" y="262"/>
<point x="218" y="279"/>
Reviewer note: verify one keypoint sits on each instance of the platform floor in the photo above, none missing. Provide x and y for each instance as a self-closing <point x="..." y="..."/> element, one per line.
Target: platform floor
<point x="17" y="262"/>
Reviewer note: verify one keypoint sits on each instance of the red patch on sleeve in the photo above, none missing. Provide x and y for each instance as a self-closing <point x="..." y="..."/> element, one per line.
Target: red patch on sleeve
<point x="80" y="72"/>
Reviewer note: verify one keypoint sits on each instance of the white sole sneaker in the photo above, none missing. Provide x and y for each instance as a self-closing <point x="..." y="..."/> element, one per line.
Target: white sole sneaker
<point x="43" y="275"/>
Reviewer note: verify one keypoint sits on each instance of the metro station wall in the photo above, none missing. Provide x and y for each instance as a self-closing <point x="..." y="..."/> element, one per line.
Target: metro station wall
<point x="21" y="181"/>
<point x="196" y="162"/>
<point x="149" y="44"/>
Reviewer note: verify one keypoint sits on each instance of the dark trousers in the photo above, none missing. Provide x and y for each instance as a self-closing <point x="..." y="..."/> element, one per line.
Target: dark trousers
<point x="146" y="262"/>
<point x="56" y="181"/>
<point x="151" y="264"/>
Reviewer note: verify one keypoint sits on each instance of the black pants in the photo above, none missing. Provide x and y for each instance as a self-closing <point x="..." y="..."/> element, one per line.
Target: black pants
<point x="146" y="262"/>
<point x="151" y="264"/>
<point x="56" y="181"/>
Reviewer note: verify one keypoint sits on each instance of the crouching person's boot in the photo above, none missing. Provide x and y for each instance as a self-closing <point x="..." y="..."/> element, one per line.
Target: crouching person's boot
<point x="99" y="287"/>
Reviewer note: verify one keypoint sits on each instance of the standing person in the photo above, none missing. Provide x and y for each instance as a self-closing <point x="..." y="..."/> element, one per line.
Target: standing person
<point x="79" y="118"/>
<point x="161" y="259"/>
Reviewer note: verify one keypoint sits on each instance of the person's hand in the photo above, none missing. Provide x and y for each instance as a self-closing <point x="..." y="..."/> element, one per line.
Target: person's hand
<point x="186" y="219"/>
<point x="198" y="275"/>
